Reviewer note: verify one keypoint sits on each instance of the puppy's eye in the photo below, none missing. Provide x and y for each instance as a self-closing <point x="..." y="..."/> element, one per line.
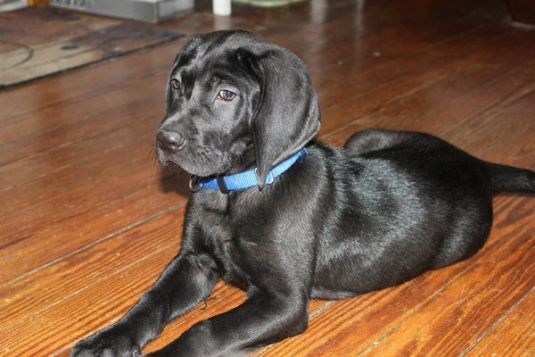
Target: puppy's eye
<point x="175" y="83"/>
<point x="226" y="95"/>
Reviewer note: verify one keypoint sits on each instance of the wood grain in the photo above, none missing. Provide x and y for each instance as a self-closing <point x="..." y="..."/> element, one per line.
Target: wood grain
<point x="88" y="220"/>
<point x="515" y="326"/>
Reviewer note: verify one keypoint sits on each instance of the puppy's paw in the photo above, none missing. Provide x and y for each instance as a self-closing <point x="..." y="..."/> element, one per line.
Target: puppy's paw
<point x="107" y="343"/>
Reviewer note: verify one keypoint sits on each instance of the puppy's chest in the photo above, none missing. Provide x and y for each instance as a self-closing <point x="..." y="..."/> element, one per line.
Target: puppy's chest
<point x="228" y="238"/>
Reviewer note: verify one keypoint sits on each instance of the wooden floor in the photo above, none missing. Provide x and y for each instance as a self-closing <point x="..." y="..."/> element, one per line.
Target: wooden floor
<point x="88" y="219"/>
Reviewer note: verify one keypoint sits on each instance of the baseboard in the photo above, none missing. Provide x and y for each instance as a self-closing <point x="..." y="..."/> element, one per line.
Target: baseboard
<point x="150" y="11"/>
<point x="9" y="5"/>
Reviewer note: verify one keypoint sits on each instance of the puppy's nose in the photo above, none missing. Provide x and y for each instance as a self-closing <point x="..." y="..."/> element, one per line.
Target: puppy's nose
<point x="170" y="140"/>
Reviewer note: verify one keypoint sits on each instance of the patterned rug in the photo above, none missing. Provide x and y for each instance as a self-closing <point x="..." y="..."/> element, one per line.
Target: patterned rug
<point x="37" y="42"/>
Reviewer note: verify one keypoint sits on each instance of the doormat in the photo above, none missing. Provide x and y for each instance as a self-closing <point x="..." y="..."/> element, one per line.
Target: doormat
<point x="37" y="42"/>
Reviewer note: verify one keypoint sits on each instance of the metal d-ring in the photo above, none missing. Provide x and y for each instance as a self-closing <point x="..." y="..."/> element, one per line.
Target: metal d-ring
<point x="194" y="185"/>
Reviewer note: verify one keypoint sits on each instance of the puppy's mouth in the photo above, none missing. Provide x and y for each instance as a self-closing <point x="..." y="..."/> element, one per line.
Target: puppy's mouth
<point x="162" y="158"/>
<point x="206" y="168"/>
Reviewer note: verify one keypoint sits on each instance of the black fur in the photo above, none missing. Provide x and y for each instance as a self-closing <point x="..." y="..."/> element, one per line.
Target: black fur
<point x="383" y="209"/>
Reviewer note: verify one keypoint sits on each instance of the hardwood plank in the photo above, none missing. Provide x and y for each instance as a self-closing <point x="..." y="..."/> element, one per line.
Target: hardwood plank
<point x="350" y="110"/>
<point x="82" y="158"/>
<point x="65" y="236"/>
<point x="449" y="119"/>
<point x="60" y="90"/>
<point x="97" y="113"/>
<point x="23" y="298"/>
<point x="87" y="308"/>
<point x="512" y="335"/>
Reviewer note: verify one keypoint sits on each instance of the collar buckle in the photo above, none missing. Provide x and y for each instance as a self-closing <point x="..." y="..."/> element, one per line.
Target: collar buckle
<point x="222" y="185"/>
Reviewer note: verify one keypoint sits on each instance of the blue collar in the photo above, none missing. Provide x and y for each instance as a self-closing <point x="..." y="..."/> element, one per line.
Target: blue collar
<point x="242" y="180"/>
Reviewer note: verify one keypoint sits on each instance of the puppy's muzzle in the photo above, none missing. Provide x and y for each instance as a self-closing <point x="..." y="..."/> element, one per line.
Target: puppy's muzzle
<point x="170" y="141"/>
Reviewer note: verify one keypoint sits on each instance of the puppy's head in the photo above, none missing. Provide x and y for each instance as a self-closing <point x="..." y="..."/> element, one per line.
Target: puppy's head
<point x="234" y="99"/>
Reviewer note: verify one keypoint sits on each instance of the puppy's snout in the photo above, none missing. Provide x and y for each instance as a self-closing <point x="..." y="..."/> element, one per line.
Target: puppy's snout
<point x="170" y="140"/>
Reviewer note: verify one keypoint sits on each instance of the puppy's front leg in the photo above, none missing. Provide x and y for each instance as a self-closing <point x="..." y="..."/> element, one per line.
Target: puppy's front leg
<point x="188" y="279"/>
<point x="265" y="317"/>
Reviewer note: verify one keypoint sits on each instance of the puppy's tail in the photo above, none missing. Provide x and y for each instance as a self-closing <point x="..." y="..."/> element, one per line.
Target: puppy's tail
<point x="510" y="179"/>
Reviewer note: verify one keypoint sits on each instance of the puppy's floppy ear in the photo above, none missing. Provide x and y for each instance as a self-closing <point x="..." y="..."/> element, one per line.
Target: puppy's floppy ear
<point x="287" y="115"/>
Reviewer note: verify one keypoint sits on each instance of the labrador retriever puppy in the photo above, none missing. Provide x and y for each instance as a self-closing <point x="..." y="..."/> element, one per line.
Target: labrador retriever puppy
<point x="285" y="217"/>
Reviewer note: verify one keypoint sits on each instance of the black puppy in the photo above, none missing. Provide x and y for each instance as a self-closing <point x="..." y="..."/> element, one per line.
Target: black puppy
<point x="287" y="218"/>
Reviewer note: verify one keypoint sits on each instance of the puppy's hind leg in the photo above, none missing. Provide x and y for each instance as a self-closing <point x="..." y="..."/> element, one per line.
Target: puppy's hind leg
<point x="469" y="229"/>
<point x="374" y="140"/>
